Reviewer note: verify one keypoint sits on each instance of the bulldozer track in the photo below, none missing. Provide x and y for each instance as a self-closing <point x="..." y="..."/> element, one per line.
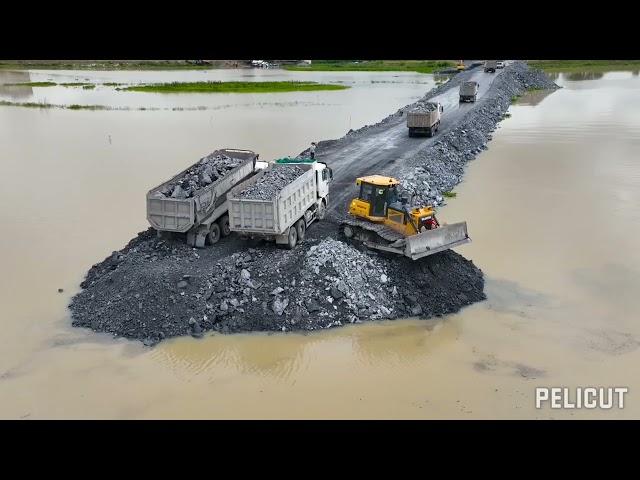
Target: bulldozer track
<point x="381" y="231"/>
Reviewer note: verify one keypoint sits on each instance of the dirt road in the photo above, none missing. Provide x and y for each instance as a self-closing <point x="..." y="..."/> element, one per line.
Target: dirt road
<point x="386" y="146"/>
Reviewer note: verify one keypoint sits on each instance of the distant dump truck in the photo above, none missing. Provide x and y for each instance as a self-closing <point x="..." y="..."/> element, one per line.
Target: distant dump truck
<point x="195" y="200"/>
<point x="424" y="119"/>
<point x="281" y="201"/>
<point x="469" y="91"/>
<point x="490" y="66"/>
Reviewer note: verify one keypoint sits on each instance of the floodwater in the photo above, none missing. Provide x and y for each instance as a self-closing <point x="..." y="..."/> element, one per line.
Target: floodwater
<point x="553" y="208"/>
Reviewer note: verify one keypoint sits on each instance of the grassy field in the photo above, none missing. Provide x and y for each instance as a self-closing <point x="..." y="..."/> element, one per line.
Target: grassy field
<point x="584" y="65"/>
<point x="234" y="87"/>
<point x="107" y="65"/>
<point x="420" y="66"/>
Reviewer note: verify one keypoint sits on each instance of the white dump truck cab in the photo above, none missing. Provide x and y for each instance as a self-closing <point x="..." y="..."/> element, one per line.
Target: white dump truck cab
<point x="325" y="177"/>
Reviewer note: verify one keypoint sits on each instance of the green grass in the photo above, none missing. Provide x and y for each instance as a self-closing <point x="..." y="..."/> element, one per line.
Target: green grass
<point x="420" y="66"/>
<point x="584" y="65"/>
<point x="88" y="87"/>
<point x="514" y="98"/>
<point x="233" y="87"/>
<point x="112" y="84"/>
<point x="449" y="194"/>
<point x="104" y="65"/>
<point x="75" y="84"/>
<point x="31" y="84"/>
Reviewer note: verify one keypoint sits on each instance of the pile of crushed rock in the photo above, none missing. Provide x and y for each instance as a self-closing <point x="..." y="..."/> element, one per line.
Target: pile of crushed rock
<point x="208" y="170"/>
<point x="269" y="183"/>
<point x="155" y="289"/>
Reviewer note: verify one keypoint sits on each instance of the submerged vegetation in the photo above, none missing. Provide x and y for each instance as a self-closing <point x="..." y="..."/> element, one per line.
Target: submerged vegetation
<point x="31" y="84"/>
<point x="449" y="194"/>
<point x="233" y="87"/>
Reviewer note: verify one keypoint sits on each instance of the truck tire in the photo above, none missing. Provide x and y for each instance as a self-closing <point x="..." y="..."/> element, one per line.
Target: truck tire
<point x="214" y="234"/>
<point x="411" y="132"/>
<point x="224" y="225"/>
<point x="301" y="229"/>
<point x="321" y="211"/>
<point x="293" y="238"/>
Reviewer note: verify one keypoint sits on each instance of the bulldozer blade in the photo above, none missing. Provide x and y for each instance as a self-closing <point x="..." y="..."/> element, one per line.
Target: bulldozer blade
<point x="434" y="241"/>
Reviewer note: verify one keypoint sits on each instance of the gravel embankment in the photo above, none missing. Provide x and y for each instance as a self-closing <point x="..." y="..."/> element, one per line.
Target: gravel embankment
<point x="440" y="167"/>
<point x="155" y="289"/>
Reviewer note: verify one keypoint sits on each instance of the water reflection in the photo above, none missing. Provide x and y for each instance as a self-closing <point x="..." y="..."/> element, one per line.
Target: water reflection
<point x="579" y="76"/>
<point x="275" y="356"/>
<point x="394" y="344"/>
<point x="15" y="92"/>
<point x="534" y="97"/>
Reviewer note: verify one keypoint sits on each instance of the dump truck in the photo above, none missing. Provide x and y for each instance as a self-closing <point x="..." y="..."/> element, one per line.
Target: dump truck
<point x="202" y="212"/>
<point x="424" y="119"/>
<point x="281" y="201"/>
<point x="490" y="66"/>
<point x="380" y="218"/>
<point x="469" y="91"/>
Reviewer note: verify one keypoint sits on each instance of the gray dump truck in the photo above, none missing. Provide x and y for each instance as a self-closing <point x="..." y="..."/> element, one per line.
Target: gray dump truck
<point x="490" y="66"/>
<point x="195" y="200"/>
<point x="424" y="119"/>
<point x="280" y="202"/>
<point x="469" y="91"/>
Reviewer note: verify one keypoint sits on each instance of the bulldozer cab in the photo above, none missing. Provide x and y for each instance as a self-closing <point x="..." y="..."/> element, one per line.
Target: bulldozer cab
<point x="379" y="192"/>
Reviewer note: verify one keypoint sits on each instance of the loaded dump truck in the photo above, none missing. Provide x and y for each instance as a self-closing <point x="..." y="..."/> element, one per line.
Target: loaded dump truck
<point x="281" y="201"/>
<point x="490" y="66"/>
<point x="469" y="91"/>
<point x="195" y="200"/>
<point x="424" y="119"/>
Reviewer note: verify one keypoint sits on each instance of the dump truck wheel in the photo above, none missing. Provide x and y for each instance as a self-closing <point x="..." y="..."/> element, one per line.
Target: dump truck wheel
<point x="301" y="228"/>
<point x="293" y="238"/>
<point x="214" y="234"/>
<point x="224" y="226"/>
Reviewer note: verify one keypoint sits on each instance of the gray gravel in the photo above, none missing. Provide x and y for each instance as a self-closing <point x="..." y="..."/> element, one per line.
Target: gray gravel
<point x="424" y="107"/>
<point x="208" y="170"/>
<point x="155" y="289"/>
<point x="271" y="182"/>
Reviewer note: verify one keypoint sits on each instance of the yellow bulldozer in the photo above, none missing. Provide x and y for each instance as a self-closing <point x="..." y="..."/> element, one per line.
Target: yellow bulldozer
<point x="460" y="66"/>
<point x="382" y="219"/>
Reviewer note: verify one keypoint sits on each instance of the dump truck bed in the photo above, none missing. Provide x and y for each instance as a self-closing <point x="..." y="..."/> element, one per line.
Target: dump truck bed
<point x="468" y="89"/>
<point x="422" y="119"/>
<point x="180" y="215"/>
<point x="276" y="215"/>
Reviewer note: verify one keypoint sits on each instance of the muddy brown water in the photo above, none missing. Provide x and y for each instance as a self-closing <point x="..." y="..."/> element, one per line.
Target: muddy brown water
<point x="553" y="208"/>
